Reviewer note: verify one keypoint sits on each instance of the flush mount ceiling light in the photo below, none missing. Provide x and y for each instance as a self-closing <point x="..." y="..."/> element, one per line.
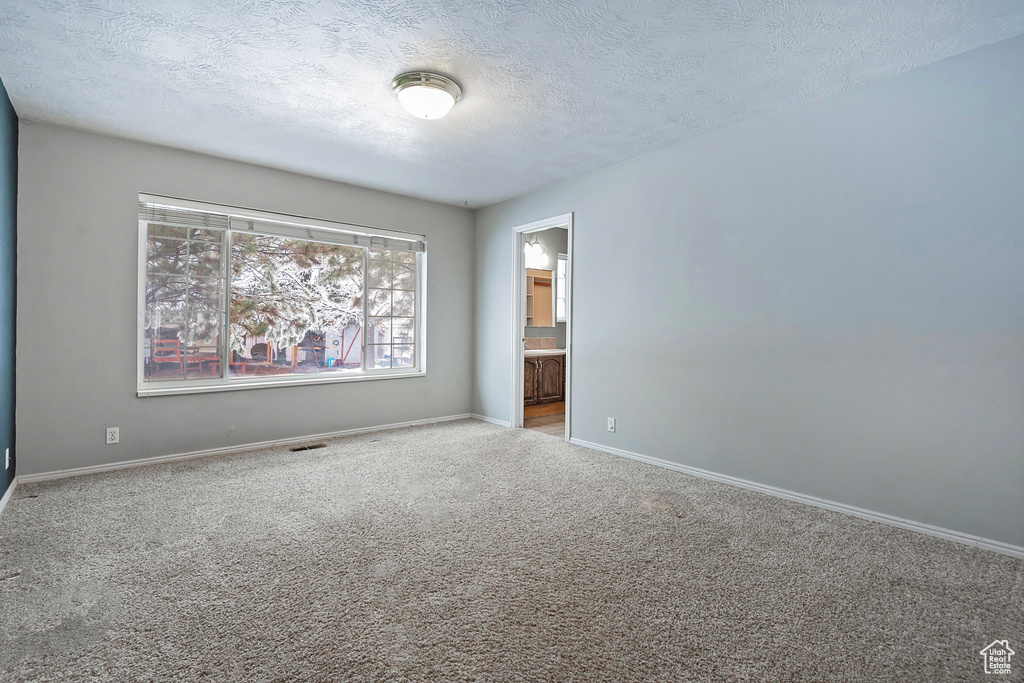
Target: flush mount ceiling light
<point x="425" y="94"/>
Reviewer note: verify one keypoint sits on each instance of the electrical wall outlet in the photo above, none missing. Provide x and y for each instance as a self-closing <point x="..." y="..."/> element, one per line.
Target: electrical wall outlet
<point x="611" y="424"/>
<point x="113" y="435"/>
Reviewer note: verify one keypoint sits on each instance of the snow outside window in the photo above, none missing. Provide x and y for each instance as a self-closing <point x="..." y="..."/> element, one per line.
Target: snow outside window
<point x="232" y="304"/>
<point x="391" y="309"/>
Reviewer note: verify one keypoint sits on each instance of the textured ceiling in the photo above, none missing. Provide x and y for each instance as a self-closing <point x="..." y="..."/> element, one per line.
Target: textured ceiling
<point x="552" y="88"/>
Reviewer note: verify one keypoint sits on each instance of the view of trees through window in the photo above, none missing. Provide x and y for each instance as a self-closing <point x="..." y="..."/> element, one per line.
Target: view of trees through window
<point x="391" y="309"/>
<point x="293" y="306"/>
<point x="184" y="302"/>
<point x="290" y="301"/>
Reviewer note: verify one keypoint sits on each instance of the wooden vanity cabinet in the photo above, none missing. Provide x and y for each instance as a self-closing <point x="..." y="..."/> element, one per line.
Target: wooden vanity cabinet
<point x="530" y="382"/>
<point x="544" y="379"/>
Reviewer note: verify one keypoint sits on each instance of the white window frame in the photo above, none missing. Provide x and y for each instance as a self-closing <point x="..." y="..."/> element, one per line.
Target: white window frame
<point x="223" y="383"/>
<point x="561" y="272"/>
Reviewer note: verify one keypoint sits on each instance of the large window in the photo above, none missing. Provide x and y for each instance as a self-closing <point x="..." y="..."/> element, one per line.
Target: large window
<point x="232" y="299"/>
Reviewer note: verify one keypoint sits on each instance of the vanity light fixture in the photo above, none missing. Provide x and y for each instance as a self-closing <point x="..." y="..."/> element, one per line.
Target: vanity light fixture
<point x="536" y="253"/>
<point x="425" y="94"/>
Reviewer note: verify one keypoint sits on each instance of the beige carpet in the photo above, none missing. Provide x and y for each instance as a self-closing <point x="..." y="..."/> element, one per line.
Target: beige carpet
<point x="468" y="552"/>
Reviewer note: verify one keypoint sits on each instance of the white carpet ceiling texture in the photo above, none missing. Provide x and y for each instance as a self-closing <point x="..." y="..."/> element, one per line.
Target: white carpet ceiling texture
<point x="468" y="552"/>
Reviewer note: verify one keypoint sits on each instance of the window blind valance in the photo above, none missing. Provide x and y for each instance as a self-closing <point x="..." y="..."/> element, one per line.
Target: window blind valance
<point x="159" y="213"/>
<point x="316" y="234"/>
<point x="154" y="213"/>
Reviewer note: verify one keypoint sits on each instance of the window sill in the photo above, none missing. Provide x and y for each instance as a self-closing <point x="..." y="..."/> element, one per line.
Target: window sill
<point x="263" y="383"/>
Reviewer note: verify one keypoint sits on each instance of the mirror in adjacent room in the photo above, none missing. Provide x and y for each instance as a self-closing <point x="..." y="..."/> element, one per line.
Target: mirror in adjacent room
<point x="540" y="298"/>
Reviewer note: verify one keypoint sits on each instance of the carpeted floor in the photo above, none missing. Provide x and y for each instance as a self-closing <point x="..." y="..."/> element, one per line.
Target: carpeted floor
<point x="468" y="552"/>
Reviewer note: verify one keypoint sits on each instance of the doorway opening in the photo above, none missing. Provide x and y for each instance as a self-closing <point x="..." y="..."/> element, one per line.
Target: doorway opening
<point x="542" y="326"/>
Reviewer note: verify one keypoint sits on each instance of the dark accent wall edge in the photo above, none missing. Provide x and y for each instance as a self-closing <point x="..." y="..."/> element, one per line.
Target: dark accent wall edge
<point x="8" y="282"/>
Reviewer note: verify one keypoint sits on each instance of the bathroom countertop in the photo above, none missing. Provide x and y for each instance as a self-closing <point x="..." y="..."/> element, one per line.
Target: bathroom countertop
<point x="543" y="352"/>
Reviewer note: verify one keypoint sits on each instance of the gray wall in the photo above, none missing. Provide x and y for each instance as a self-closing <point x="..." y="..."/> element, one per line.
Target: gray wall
<point x="78" y="273"/>
<point x="556" y="240"/>
<point x="828" y="300"/>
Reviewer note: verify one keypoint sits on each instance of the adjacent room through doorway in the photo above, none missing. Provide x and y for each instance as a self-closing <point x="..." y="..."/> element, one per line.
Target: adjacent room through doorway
<point x="544" y="329"/>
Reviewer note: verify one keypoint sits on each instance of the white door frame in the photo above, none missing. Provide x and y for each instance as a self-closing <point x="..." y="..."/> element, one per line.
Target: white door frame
<point x="519" y="314"/>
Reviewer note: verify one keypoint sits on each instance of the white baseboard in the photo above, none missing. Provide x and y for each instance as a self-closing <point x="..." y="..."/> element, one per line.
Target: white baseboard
<point x="94" y="469"/>
<point x="7" y="494"/>
<point x="939" y="532"/>
<point x="492" y="420"/>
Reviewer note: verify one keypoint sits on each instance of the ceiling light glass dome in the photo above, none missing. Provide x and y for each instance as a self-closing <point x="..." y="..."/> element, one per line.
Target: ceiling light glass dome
<point x="425" y="94"/>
